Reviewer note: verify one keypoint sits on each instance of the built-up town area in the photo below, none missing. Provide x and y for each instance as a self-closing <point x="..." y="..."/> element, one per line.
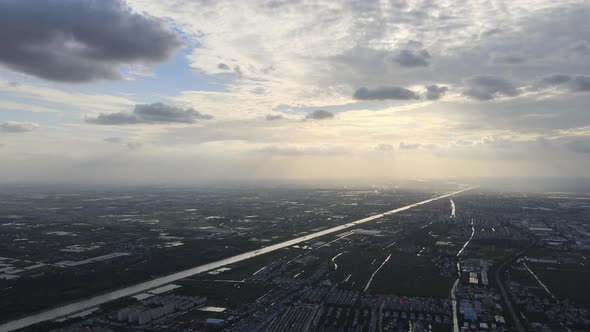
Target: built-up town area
<point x="474" y="261"/>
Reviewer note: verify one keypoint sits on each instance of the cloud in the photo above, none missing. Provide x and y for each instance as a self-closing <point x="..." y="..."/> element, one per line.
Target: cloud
<point x="581" y="47"/>
<point x="274" y="117"/>
<point x="463" y="142"/>
<point x="409" y="58"/>
<point x="381" y="93"/>
<point x="492" y="32"/>
<point x="223" y="66"/>
<point x="319" y="115"/>
<point x="310" y="63"/>
<point x="17" y="127"/>
<point x="579" y="145"/>
<point x="323" y="57"/>
<point x="490" y="87"/>
<point x="573" y="83"/>
<point x="543" y="142"/>
<point x="258" y="91"/>
<point x="581" y="84"/>
<point x="556" y="79"/>
<point x="409" y="146"/>
<point x="150" y="114"/>
<point x="384" y="147"/>
<point x="79" y="40"/>
<point x="120" y="141"/>
<point x="510" y="59"/>
<point x="435" y="92"/>
<point x="133" y="145"/>
<point x="238" y="71"/>
<point x="114" y="140"/>
<point x="288" y="150"/>
<point x="497" y="142"/>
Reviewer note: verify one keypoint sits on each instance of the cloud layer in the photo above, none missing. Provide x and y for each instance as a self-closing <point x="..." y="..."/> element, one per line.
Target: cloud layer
<point x="475" y="87"/>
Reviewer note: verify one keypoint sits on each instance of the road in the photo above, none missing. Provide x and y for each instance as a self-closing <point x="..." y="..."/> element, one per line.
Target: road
<point x="91" y="302"/>
<point x="505" y="296"/>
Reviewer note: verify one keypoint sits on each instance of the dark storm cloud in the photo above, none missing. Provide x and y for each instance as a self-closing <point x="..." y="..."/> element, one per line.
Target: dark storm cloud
<point x="17" y="127"/>
<point x="319" y="115"/>
<point x="409" y="58"/>
<point x="385" y="92"/>
<point x="150" y="114"/>
<point x="79" y="40"/>
<point x="490" y="87"/>
<point x="273" y="117"/>
<point x="435" y="92"/>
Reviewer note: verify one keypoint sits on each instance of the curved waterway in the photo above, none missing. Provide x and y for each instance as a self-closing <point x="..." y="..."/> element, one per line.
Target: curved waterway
<point x="87" y="303"/>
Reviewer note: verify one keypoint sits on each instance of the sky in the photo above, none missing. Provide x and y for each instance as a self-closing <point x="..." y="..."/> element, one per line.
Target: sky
<point x="179" y="91"/>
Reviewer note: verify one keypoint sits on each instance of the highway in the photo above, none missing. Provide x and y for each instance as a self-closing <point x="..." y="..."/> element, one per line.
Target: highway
<point x="91" y="302"/>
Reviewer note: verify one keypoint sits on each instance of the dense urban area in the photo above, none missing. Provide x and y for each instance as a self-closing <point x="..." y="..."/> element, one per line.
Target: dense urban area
<point x="478" y="260"/>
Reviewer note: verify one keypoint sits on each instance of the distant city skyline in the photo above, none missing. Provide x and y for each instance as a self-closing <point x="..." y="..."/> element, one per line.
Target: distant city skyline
<point x="180" y="92"/>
